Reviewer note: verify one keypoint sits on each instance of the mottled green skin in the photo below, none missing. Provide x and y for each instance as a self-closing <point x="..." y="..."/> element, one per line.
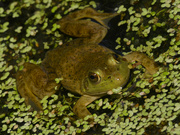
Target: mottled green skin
<point x="87" y="68"/>
<point x="73" y="64"/>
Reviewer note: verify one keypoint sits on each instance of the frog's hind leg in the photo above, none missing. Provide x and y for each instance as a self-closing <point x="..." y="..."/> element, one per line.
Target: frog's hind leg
<point x="31" y="84"/>
<point x="88" y="31"/>
<point x="89" y="13"/>
<point x="75" y="25"/>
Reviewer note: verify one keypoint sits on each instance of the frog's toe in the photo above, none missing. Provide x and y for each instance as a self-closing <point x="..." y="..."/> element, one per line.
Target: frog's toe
<point x="81" y="111"/>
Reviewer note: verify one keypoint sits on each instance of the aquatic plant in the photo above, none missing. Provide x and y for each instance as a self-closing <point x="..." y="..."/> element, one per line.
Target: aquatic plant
<point x="28" y="30"/>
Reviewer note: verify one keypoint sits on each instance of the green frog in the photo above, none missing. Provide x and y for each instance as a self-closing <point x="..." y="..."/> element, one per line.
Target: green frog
<point x="85" y="67"/>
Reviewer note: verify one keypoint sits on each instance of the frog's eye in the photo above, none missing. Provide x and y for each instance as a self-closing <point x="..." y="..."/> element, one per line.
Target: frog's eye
<point x="116" y="57"/>
<point x="94" y="77"/>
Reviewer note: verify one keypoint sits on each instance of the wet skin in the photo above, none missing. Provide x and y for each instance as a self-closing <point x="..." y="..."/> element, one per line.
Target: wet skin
<point x="87" y="68"/>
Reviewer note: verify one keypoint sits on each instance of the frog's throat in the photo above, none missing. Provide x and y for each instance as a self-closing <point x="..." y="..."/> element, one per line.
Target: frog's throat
<point x="86" y="90"/>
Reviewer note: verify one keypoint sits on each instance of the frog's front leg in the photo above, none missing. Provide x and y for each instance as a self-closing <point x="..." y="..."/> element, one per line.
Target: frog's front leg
<point x="33" y="84"/>
<point x="80" y="107"/>
<point x="147" y="62"/>
<point x="76" y="24"/>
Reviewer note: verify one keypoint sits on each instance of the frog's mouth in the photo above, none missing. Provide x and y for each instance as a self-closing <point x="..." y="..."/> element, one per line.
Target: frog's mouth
<point x="105" y="87"/>
<point x="87" y="90"/>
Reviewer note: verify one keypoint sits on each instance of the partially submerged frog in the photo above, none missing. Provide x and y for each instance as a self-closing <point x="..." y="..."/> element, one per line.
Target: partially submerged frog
<point x="87" y="68"/>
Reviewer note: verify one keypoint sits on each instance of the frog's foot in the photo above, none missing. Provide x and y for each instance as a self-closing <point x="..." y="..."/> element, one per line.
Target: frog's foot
<point x="89" y="31"/>
<point x="80" y="107"/>
<point x="31" y="84"/>
<point x="148" y="63"/>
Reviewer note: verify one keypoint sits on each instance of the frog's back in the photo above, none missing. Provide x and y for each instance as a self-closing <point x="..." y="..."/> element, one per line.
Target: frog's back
<point x="72" y="62"/>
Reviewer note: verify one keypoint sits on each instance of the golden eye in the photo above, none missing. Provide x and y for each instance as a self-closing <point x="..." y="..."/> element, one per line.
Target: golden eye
<point x="116" y="57"/>
<point x="93" y="77"/>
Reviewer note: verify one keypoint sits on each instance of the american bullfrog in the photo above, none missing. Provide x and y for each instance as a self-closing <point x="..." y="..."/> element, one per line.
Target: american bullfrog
<point x="87" y="68"/>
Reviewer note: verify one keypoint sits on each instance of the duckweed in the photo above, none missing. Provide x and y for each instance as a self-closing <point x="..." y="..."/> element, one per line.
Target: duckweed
<point x="146" y="105"/>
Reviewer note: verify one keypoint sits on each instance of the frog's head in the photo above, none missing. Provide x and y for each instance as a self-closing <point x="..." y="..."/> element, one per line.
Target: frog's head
<point x="108" y="72"/>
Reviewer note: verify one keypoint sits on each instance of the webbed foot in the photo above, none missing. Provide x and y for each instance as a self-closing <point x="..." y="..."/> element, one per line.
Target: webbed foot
<point x="147" y="62"/>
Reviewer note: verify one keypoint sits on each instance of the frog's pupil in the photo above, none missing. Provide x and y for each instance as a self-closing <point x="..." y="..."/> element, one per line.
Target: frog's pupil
<point x="92" y="77"/>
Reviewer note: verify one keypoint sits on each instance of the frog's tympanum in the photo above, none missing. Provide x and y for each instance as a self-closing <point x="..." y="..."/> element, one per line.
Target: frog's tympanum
<point x="87" y="68"/>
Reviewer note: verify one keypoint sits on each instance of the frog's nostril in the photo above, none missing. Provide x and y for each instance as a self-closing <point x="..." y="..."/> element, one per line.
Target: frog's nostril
<point x="109" y="77"/>
<point x="124" y="59"/>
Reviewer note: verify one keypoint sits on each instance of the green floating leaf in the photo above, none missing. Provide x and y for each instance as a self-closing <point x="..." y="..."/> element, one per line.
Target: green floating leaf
<point x="46" y="112"/>
<point x="12" y="5"/>
<point x="58" y="16"/>
<point x="118" y="40"/>
<point x="55" y="26"/>
<point x="117" y="90"/>
<point x="54" y="96"/>
<point x="2" y="115"/>
<point x="26" y="49"/>
<point x="4" y="27"/>
<point x="15" y="14"/>
<point x="146" y="91"/>
<point x="5" y="75"/>
<point x="121" y="9"/>
<point x="9" y="68"/>
<point x="18" y="29"/>
<point x="19" y="119"/>
<point x="53" y="10"/>
<point x="146" y="32"/>
<point x="58" y="80"/>
<point x="177" y="106"/>
<point x="131" y="11"/>
<point x="144" y="12"/>
<point x="1" y="10"/>
<point x="93" y="4"/>
<point x="21" y="100"/>
<point x="154" y="1"/>
<point x="70" y="95"/>
<point x="17" y="97"/>
<point x="4" y="127"/>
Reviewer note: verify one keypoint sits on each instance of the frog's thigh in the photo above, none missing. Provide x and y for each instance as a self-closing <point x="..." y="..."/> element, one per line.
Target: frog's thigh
<point x="30" y="84"/>
<point x="80" y="107"/>
<point x="91" y="32"/>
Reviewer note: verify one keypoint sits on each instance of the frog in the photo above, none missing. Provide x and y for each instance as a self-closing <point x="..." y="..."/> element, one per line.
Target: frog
<point x="85" y="67"/>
